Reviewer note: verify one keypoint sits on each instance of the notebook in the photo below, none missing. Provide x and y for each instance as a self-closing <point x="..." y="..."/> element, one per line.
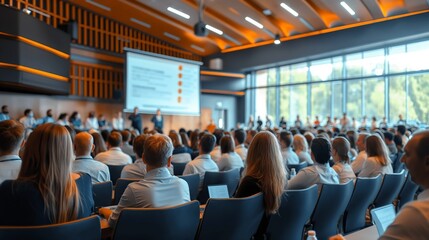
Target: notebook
<point x="218" y="191"/>
<point x="383" y="217"/>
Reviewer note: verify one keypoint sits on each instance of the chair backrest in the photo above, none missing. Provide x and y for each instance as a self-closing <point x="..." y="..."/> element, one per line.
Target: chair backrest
<point x="407" y="192"/>
<point x="115" y="172"/>
<point x="383" y="217"/>
<point x="177" y="222"/>
<point x="102" y="194"/>
<point x="181" y="158"/>
<point x="121" y="185"/>
<point x="392" y="184"/>
<point x="231" y="218"/>
<point x="229" y="178"/>
<point x="298" y="166"/>
<point x="363" y="196"/>
<point x="133" y="158"/>
<point x="193" y="181"/>
<point x="82" y="229"/>
<point x="332" y="203"/>
<point x="397" y="165"/>
<point x="294" y="212"/>
<point x="178" y="168"/>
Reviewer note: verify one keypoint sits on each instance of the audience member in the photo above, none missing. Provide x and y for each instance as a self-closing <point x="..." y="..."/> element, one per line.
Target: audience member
<point x="114" y="154"/>
<point x="159" y="188"/>
<point x="185" y="139"/>
<point x="83" y="146"/>
<point x="352" y="136"/>
<point x="28" y="119"/>
<point x="249" y="136"/>
<point x="75" y="120"/>
<point x="264" y="173"/>
<point x="401" y="130"/>
<point x="136" y="120"/>
<point x="11" y="139"/>
<point x="378" y="161"/>
<point x="4" y="115"/>
<point x="118" y="121"/>
<point x="102" y="123"/>
<point x="126" y="147"/>
<point x="91" y="121"/>
<point x="100" y="145"/>
<point x="398" y="143"/>
<point x="286" y="141"/>
<point x="239" y="139"/>
<point x="46" y="191"/>
<point x="215" y="154"/>
<point x="138" y="168"/>
<point x="48" y="118"/>
<point x="390" y="144"/>
<point x="229" y="159"/>
<point x="309" y="138"/>
<point x="62" y="120"/>
<point x="203" y="162"/>
<point x="301" y="149"/>
<point x="259" y="124"/>
<point x="211" y="127"/>
<point x="340" y="154"/>
<point x="320" y="173"/>
<point x="177" y="144"/>
<point x="357" y="164"/>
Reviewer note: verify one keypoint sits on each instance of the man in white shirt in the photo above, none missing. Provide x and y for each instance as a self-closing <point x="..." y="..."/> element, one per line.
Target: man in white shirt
<point x="83" y="146"/>
<point x="215" y="154"/>
<point x="286" y="141"/>
<point x="203" y="162"/>
<point x="11" y="140"/>
<point x="28" y="119"/>
<point x="159" y="188"/>
<point x="239" y="138"/>
<point x="357" y="164"/>
<point x="114" y="155"/>
<point x="126" y="147"/>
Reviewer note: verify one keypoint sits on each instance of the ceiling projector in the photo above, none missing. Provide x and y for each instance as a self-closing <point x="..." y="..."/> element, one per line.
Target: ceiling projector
<point x="200" y="29"/>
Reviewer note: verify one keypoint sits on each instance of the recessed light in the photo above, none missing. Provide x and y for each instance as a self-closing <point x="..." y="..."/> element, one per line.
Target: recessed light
<point x="267" y="12"/>
<point x="257" y="24"/>
<point x="144" y="24"/>
<point x="277" y="39"/>
<point x="348" y="8"/>
<point x="289" y="9"/>
<point x="177" y="12"/>
<point x="213" y="29"/>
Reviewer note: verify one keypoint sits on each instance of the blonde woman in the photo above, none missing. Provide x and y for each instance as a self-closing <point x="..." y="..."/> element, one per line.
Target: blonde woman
<point x="100" y="145"/>
<point x="378" y="161"/>
<point x="340" y="154"/>
<point x="46" y="191"/>
<point x="300" y="146"/>
<point x="264" y="173"/>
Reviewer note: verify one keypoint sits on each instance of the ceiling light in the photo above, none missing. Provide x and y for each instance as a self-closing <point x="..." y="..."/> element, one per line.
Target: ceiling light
<point x="267" y="12"/>
<point x="175" y="11"/>
<point x="289" y="9"/>
<point x="213" y="29"/>
<point x="348" y="8"/>
<point x="28" y="10"/>
<point x="98" y="5"/>
<point x="250" y="20"/>
<point x="171" y="36"/>
<point x="144" y="24"/>
<point x="198" y="48"/>
<point x="277" y="39"/>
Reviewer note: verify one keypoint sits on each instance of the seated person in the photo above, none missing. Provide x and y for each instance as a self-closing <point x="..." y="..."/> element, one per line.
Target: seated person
<point x="83" y="146"/>
<point x="240" y="138"/>
<point x="378" y="161"/>
<point x="114" y="155"/>
<point x="11" y="140"/>
<point x="203" y="162"/>
<point x="286" y="141"/>
<point x="215" y="153"/>
<point x="357" y="164"/>
<point x="300" y="146"/>
<point x="229" y="159"/>
<point x="46" y="191"/>
<point x="340" y="154"/>
<point x="178" y="145"/>
<point x="159" y="188"/>
<point x="320" y="173"/>
<point x="138" y="168"/>
<point x="126" y="147"/>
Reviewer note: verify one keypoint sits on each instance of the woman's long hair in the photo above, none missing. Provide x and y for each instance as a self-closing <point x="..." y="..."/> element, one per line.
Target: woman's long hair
<point x="375" y="147"/>
<point x="47" y="162"/>
<point x="300" y="144"/>
<point x="100" y="145"/>
<point x="342" y="146"/>
<point x="264" y="162"/>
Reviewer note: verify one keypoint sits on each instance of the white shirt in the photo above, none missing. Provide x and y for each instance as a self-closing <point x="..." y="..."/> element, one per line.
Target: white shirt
<point x="201" y="165"/>
<point x="357" y="164"/>
<point x="98" y="171"/>
<point x="289" y="156"/>
<point x="128" y="149"/>
<point x="91" y="123"/>
<point x="345" y="172"/>
<point x="118" y="123"/>
<point x="412" y="221"/>
<point x="28" y="122"/>
<point x="138" y="170"/>
<point x="114" y="156"/>
<point x="158" y="189"/>
<point x="241" y="150"/>
<point x="10" y="165"/>
<point x="215" y="154"/>
<point x="372" y="168"/>
<point x="229" y="161"/>
<point x="317" y="174"/>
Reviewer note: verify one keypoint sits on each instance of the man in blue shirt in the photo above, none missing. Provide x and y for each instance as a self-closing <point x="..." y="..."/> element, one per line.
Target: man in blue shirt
<point x="136" y="120"/>
<point x="4" y="115"/>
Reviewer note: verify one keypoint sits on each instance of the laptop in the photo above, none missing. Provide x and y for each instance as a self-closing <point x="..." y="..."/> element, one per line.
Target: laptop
<point x="218" y="191"/>
<point x="383" y="217"/>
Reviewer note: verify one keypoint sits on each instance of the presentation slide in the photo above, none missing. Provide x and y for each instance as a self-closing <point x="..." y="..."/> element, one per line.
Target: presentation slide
<point x="157" y="82"/>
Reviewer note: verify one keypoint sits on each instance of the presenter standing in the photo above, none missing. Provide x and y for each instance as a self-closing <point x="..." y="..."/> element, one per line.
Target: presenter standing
<point x="158" y="121"/>
<point x="136" y="120"/>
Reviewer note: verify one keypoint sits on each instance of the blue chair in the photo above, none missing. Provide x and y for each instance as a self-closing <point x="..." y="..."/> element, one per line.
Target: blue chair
<point x="121" y="185"/>
<point x="331" y="205"/>
<point x="298" y="166"/>
<point x="397" y="165"/>
<point x="229" y="178"/>
<point x="231" y="218"/>
<point x="115" y="172"/>
<point x="294" y="212"/>
<point x="178" y="222"/>
<point x="102" y="194"/>
<point x="392" y="184"/>
<point x="179" y="168"/>
<point x="363" y="196"/>
<point x="193" y="181"/>
<point x="82" y="229"/>
<point x="407" y="192"/>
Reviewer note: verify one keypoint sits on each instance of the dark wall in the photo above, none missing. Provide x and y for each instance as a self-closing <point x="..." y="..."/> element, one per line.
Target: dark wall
<point x="355" y="39"/>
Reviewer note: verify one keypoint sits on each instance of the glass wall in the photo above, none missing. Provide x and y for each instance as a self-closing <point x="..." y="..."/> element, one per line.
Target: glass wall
<point x="385" y="82"/>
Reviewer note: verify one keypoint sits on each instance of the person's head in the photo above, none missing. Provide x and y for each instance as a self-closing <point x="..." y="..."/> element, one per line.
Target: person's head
<point x="62" y="117"/>
<point x="388" y="137"/>
<point x="138" y="145"/>
<point x="4" y="109"/>
<point x="321" y="150"/>
<point x="401" y="129"/>
<point x="264" y="162"/>
<point x="361" y="141"/>
<point x="47" y="162"/>
<point x="352" y="136"/>
<point x="185" y="139"/>
<point x="375" y="147"/>
<point x="416" y="158"/>
<point x="11" y="137"/>
<point x="398" y="142"/>
<point x="218" y="133"/>
<point x="374" y="119"/>
<point x="227" y="144"/>
<point x="300" y="143"/>
<point x="114" y="140"/>
<point x="158" y="150"/>
<point x="285" y="139"/>
<point x="239" y="136"/>
<point x="250" y="135"/>
<point x="158" y="112"/>
<point x="136" y="110"/>
<point x="176" y="139"/>
<point x="74" y="116"/>
<point x="49" y="113"/>
<point x="100" y="145"/>
<point x="195" y="136"/>
<point x="91" y="114"/>
<point x="309" y="137"/>
<point x="207" y="143"/>
<point x="340" y="150"/>
<point x="28" y="113"/>
<point x="126" y="135"/>
<point x="83" y="144"/>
